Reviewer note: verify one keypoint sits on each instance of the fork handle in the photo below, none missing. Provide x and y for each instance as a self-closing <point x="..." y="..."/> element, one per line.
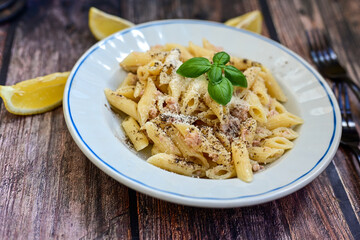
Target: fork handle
<point x="353" y="86"/>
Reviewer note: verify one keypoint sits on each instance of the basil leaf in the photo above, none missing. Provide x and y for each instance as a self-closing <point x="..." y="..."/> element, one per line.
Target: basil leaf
<point x="221" y="92"/>
<point x="221" y="58"/>
<point x="215" y="74"/>
<point x="236" y="77"/>
<point x="194" y="67"/>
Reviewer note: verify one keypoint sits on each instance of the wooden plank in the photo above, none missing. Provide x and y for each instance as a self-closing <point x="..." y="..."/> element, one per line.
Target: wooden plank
<point x="301" y="215"/>
<point x="48" y="188"/>
<point x="311" y="15"/>
<point x="6" y="38"/>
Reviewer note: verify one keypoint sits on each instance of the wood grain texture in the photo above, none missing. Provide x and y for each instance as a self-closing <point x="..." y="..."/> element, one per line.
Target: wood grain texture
<point x="338" y="19"/>
<point x="48" y="188"/>
<point x="329" y="15"/>
<point x="3" y="34"/>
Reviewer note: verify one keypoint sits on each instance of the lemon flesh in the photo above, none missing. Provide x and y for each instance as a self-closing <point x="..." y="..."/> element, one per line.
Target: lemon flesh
<point x="251" y="21"/>
<point x="36" y="95"/>
<point x="102" y="24"/>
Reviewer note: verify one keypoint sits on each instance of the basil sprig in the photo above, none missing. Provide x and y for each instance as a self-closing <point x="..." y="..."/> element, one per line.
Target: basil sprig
<point x="222" y="77"/>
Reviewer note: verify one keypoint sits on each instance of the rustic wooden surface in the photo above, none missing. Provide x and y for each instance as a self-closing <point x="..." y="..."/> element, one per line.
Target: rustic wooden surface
<point x="49" y="189"/>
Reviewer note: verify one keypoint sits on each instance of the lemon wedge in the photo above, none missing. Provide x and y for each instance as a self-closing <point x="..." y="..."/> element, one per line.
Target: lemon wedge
<point x="102" y="24"/>
<point x="251" y="21"/>
<point x="36" y="95"/>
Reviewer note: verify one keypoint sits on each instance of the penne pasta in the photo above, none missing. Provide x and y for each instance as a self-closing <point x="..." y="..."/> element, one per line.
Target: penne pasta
<point x="272" y="85"/>
<point x="285" y="132"/>
<point x="188" y="132"/>
<point x="122" y="103"/>
<point x="177" y="164"/>
<point x="136" y="136"/>
<point x="160" y="139"/>
<point x="283" y="120"/>
<point x="265" y="154"/>
<point x="221" y="172"/>
<point x="240" y="157"/>
<point x="147" y="102"/>
<point x="278" y="142"/>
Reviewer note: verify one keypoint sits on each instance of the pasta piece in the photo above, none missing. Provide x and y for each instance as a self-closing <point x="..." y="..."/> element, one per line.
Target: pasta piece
<point x="219" y="110"/>
<point x="247" y="131"/>
<point x="243" y="63"/>
<point x="221" y="172"/>
<point x="261" y="133"/>
<point x="135" y="60"/>
<point x="256" y="110"/>
<point x="127" y="91"/>
<point x="158" y="53"/>
<point x="260" y="90"/>
<point x="177" y="165"/>
<point x="147" y="102"/>
<point x="240" y="92"/>
<point x="155" y="67"/>
<point x="187" y="151"/>
<point x="213" y="147"/>
<point x="176" y="86"/>
<point x="130" y="80"/>
<point x="272" y="85"/>
<point x="209" y="46"/>
<point x="208" y="117"/>
<point x="224" y="140"/>
<point x="252" y="75"/>
<point x="171" y="64"/>
<point x="198" y="51"/>
<point x="184" y="52"/>
<point x="276" y="106"/>
<point x="285" y="132"/>
<point x="265" y="154"/>
<point x="202" y="107"/>
<point x="137" y="137"/>
<point x="204" y="141"/>
<point x="191" y="97"/>
<point x="240" y="157"/>
<point x="163" y="88"/>
<point x="160" y="139"/>
<point x="143" y="73"/>
<point x="155" y="150"/>
<point x="278" y="142"/>
<point x="283" y="120"/>
<point x="139" y="89"/>
<point x="122" y="103"/>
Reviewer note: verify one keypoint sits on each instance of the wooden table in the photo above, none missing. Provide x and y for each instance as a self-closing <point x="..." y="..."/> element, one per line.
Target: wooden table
<point x="49" y="189"/>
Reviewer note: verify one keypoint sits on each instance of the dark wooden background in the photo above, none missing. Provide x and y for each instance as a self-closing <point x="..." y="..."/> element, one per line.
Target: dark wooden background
<point x="49" y="189"/>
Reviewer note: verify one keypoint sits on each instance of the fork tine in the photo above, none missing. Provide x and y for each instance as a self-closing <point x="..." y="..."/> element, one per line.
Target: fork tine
<point x="319" y="48"/>
<point x="340" y="98"/>
<point x="312" y="47"/>
<point x="348" y="113"/>
<point x="328" y="45"/>
<point x="325" y="57"/>
<point x="309" y="40"/>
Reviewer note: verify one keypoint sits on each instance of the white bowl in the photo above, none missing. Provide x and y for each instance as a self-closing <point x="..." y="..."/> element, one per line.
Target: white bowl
<point x="97" y="131"/>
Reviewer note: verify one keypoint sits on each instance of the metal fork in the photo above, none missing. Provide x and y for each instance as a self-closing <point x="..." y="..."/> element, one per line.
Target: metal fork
<point x="350" y="137"/>
<point x="327" y="61"/>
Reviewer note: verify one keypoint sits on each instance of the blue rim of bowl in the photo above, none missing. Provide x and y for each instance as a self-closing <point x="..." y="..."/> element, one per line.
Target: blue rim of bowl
<point x="201" y="22"/>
